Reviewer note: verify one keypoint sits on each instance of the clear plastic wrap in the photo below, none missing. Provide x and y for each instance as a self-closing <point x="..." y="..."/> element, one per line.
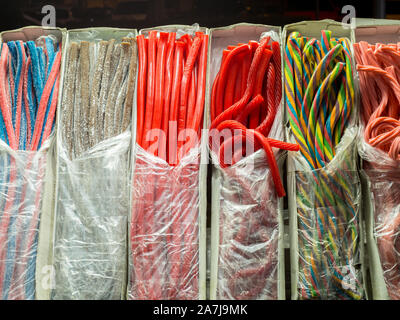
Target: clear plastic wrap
<point x="249" y="231"/>
<point x="167" y="240"/>
<point x="247" y="224"/>
<point x="164" y="228"/>
<point x="326" y="205"/>
<point x="92" y="200"/>
<point x="383" y="178"/>
<point x="22" y="184"/>
<point x="91" y="222"/>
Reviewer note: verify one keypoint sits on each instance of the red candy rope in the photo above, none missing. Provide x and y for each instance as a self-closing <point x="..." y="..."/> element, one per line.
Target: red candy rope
<point x="4" y="102"/>
<point x="159" y="84"/>
<point x="255" y="115"/>
<point x="236" y="108"/>
<point x="44" y="101"/>
<point x="176" y="86"/>
<point x="224" y="72"/>
<point x="185" y="85"/>
<point x="239" y="111"/>
<point x="142" y="48"/>
<point x="168" y="88"/>
<point x="151" y="75"/>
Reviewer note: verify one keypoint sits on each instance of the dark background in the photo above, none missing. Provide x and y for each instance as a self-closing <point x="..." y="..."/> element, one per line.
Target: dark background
<point x="210" y="13"/>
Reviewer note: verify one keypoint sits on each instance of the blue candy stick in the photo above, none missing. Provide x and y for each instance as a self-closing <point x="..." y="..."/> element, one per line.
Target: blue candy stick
<point x="50" y="54"/>
<point x="36" y="70"/>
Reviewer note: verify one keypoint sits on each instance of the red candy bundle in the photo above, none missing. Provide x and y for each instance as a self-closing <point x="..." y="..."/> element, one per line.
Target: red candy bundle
<point x="164" y="234"/>
<point x="252" y="105"/>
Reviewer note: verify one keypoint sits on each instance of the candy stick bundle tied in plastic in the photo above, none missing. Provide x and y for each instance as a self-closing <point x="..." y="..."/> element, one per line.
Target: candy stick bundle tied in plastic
<point x="94" y="136"/>
<point x="29" y="80"/>
<point x="246" y="123"/>
<point x="320" y="99"/>
<point x="165" y="239"/>
<point x="379" y="146"/>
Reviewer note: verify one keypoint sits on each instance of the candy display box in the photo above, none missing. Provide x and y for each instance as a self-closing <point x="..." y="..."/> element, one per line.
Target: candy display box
<point x="379" y="176"/>
<point x="167" y="220"/>
<point x="28" y="183"/>
<point x="240" y="268"/>
<point x="325" y="223"/>
<point x="87" y="234"/>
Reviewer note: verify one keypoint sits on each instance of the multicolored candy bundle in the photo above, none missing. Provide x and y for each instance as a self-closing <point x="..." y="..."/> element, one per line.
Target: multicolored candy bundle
<point x="29" y="82"/>
<point x="319" y="94"/>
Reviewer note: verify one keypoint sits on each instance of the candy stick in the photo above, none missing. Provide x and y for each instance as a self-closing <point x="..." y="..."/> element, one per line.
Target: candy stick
<point x="127" y="111"/>
<point x="185" y="85"/>
<point x="198" y="112"/>
<point x="191" y="103"/>
<point x="94" y="134"/>
<point x="44" y="100"/>
<point x="146" y="286"/>
<point x="215" y="86"/>
<point x="51" y="117"/>
<point x="111" y="115"/>
<point x="151" y="68"/>
<point x="224" y="73"/>
<point x="4" y="102"/>
<point x="8" y="220"/>
<point x="81" y="119"/>
<point x="159" y="84"/>
<point x="255" y="115"/>
<point x="231" y="84"/>
<point x="168" y="93"/>
<point x="28" y="109"/>
<point x="37" y="83"/>
<point x="106" y="78"/>
<point x="144" y="115"/>
<point x="141" y="86"/>
<point x="119" y="108"/>
<point x="68" y="97"/>
<point x="18" y="86"/>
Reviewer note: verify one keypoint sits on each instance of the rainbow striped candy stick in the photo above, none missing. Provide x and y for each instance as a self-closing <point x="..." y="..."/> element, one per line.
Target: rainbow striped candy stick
<point x="319" y="109"/>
